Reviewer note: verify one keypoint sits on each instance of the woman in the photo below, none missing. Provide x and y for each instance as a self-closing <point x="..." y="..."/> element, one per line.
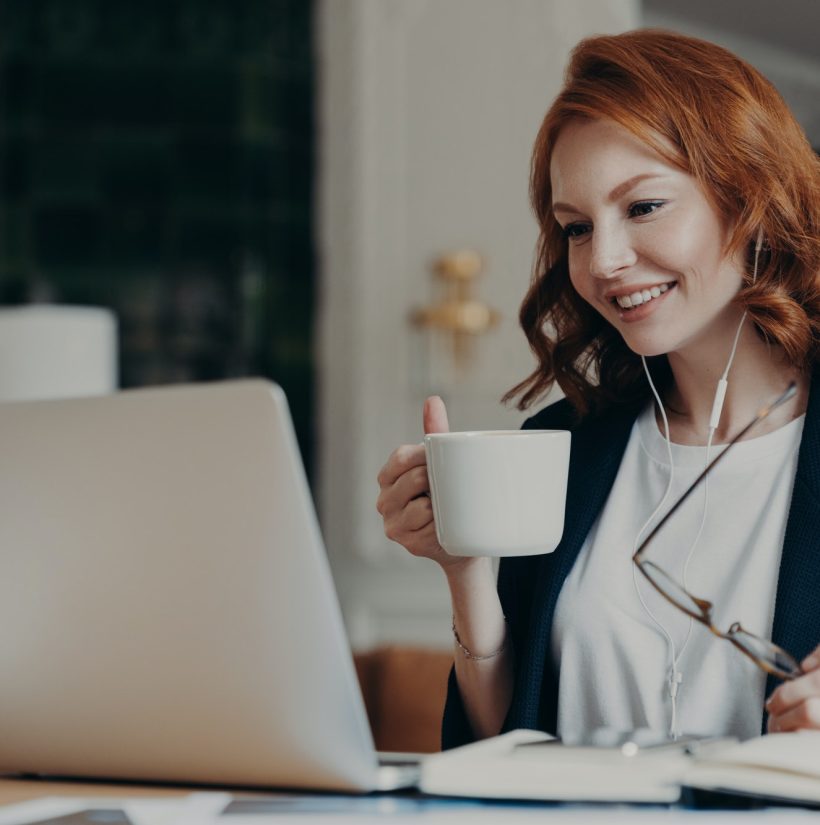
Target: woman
<point x="679" y="208"/>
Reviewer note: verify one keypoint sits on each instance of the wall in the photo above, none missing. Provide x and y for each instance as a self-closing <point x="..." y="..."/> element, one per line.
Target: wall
<point x="426" y="116"/>
<point x="795" y="72"/>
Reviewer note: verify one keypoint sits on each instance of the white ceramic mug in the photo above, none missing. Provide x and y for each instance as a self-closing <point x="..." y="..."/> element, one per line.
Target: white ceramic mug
<point x="498" y="492"/>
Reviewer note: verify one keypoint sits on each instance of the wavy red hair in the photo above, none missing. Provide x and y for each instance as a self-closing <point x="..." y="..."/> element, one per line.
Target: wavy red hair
<point x="734" y="133"/>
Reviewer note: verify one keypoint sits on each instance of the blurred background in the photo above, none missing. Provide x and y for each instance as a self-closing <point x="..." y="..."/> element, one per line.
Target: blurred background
<point x="157" y="159"/>
<point x="328" y="193"/>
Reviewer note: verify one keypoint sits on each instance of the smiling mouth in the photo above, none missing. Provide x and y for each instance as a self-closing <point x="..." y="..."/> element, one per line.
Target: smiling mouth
<point x="641" y="297"/>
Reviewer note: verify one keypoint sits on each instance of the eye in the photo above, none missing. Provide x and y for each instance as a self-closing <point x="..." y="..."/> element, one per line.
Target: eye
<point x="575" y="230"/>
<point x="643" y="208"/>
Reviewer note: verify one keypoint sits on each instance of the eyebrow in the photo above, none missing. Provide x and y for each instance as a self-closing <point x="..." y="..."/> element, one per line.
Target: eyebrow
<point x="618" y="192"/>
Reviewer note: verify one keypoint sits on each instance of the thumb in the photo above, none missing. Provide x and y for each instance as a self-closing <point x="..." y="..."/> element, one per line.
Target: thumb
<point x="435" y="416"/>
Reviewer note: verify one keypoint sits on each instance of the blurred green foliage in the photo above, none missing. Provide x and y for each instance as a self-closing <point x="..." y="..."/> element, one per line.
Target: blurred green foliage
<point x="156" y="157"/>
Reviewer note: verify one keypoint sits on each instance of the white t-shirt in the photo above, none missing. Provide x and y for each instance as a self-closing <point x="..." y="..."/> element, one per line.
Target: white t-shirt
<point x="613" y="659"/>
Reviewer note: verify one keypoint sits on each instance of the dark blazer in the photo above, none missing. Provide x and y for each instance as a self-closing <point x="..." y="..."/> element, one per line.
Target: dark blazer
<point x="529" y="586"/>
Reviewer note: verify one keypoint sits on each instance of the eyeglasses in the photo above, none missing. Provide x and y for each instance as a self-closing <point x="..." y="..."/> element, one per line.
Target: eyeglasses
<point x="765" y="654"/>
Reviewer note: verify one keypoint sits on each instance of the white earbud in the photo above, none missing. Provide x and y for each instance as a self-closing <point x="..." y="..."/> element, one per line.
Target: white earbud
<point x="723" y="383"/>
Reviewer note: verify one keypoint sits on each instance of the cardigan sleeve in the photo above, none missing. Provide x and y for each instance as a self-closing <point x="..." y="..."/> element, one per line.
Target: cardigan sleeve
<point x="515" y="590"/>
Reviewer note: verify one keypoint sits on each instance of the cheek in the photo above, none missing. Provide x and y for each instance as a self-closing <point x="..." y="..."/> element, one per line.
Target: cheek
<point x="581" y="288"/>
<point x="696" y="246"/>
<point x="579" y="274"/>
<point x="669" y="250"/>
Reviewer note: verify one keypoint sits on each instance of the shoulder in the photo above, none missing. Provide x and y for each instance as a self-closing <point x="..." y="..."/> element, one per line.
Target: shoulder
<point x="563" y="416"/>
<point x="558" y="416"/>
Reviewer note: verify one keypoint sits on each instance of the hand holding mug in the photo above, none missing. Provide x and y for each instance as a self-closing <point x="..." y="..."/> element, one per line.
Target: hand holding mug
<point x="494" y="493"/>
<point x="404" y="495"/>
<point x="498" y="492"/>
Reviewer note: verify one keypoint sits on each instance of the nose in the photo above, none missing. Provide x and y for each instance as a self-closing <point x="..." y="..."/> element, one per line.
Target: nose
<point x="611" y="252"/>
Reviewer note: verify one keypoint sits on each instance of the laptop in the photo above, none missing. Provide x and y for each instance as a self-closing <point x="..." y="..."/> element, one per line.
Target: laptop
<point x="167" y="611"/>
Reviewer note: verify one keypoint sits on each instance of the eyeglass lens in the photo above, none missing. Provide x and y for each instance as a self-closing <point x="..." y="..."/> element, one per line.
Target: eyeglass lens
<point x="671" y="590"/>
<point x="767" y="652"/>
<point x="771" y="656"/>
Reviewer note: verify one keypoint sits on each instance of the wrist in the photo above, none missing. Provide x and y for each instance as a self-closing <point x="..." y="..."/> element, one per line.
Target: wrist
<point x="476" y="657"/>
<point x="468" y="569"/>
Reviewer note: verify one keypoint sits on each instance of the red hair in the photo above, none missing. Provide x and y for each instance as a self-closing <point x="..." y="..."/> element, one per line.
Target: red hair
<point x="736" y="136"/>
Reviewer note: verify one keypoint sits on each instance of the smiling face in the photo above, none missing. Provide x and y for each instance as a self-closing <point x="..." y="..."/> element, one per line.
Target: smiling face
<point x="646" y="247"/>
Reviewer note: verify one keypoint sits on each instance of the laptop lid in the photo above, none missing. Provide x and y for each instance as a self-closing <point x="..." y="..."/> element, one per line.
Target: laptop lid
<point x="166" y="606"/>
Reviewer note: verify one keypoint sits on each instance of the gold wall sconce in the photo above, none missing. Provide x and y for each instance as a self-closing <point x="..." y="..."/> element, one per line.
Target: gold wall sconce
<point x="458" y="315"/>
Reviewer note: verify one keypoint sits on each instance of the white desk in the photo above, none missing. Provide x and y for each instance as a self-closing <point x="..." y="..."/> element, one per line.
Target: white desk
<point x="190" y="806"/>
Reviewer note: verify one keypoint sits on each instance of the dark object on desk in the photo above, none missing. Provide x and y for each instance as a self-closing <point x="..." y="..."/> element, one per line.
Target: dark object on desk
<point x="325" y="804"/>
<point x="91" y="816"/>
<point x="700" y="798"/>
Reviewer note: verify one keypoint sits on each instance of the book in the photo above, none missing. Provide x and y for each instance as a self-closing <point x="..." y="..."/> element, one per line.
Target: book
<point x="530" y="765"/>
<point x="778" y="767"/>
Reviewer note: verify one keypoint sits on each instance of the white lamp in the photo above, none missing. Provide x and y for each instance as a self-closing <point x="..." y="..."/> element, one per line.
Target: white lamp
<point x="57" y="351"/>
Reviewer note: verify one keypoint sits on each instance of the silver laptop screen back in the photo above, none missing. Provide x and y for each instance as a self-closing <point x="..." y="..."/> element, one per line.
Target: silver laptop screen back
<point x="166" y="607"/>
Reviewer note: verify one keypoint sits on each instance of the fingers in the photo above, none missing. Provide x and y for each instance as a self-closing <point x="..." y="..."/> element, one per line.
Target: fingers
<point x="401" y="460"/>
<point x="403" y="502"/>
<point x="792" y="693"/>
<point x="409" y="486"/>
<point x="795" y="704"/>
<point x="407" y="456"/>
<point x="434" y="416"/>
<point x="812" y="661"/>
<point x="413" y="527"/>
<point x="414" y="517"/>
<point x="424" y="542"/>
<point x="800" y="717"/>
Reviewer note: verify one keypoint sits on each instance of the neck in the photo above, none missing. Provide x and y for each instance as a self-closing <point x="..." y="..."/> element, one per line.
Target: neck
<point x="759" y="373"/>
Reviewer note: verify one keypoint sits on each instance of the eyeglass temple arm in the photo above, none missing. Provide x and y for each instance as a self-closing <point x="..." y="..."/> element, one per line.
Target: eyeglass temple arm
<point x="762" y="413"/>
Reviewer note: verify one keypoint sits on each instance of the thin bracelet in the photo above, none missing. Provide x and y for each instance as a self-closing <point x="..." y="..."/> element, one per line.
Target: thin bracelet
<point x="468" y="654"/>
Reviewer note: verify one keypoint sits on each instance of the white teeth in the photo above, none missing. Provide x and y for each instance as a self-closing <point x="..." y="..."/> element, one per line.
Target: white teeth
<point x="638" y="298"/>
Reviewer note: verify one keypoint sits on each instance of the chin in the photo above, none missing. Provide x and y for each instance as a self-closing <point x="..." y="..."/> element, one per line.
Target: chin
<point x="648" y="346"/>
